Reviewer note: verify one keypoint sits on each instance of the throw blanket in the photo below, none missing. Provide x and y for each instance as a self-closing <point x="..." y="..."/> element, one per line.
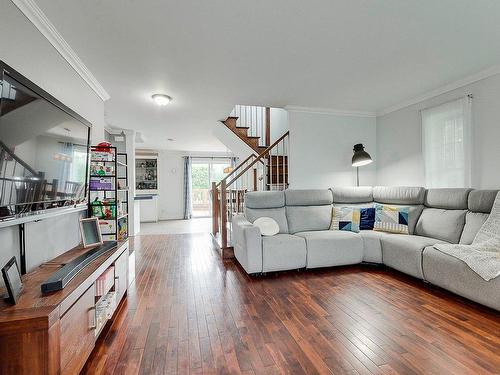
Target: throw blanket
<point x="483" y="255"/>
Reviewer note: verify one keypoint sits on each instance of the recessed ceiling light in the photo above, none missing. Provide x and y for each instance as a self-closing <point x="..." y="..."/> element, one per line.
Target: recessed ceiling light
<point x="161" y="99"/>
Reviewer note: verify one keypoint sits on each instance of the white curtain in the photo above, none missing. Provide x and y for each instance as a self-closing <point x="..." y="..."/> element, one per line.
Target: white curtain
<point x="188" y="206"/>
<point x="447" y="142"/>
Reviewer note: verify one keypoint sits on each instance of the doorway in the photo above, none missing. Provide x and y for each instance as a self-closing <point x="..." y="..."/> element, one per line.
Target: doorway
<point x="203" y="173"/>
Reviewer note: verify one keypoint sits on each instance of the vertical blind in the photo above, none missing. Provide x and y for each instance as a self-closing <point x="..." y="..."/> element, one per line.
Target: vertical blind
<point x="446" y="132"/>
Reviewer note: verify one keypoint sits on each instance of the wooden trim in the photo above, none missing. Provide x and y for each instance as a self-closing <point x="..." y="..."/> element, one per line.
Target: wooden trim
<point x="268" y="125"/>
<point x="215" y="209"/>
<point x="223" y="214"/>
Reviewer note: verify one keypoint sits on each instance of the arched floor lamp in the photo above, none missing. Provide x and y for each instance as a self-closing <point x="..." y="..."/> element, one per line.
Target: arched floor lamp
<point x="360" y="158"/>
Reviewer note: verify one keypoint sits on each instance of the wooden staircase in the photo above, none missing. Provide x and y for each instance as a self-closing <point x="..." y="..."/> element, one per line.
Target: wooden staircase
<point x="242" y="133"/>
<point x="265" y="171"/>
<point x="277" y="172"/>
<point x="252" y="125"/>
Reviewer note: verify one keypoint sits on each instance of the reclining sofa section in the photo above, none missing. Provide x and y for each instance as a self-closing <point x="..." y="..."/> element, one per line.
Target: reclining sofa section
<point x="305" y="240"/>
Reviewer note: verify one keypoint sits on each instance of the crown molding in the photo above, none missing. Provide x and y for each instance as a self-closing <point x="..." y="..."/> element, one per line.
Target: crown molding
<point x="494" y="70"/>
<point x="330" y="111"/>
<point x="35" y="15"/>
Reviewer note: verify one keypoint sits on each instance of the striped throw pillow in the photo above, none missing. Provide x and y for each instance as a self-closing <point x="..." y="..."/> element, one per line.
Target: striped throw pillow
<point x="391" y="219"/>
<point x="345" y="218"/>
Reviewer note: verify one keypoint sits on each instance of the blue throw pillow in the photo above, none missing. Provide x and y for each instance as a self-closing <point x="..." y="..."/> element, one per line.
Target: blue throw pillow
<point x="367" y="219"/>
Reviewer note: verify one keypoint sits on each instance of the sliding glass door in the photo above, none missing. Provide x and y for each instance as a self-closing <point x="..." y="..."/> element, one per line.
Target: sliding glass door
<point x="203" y="173"/>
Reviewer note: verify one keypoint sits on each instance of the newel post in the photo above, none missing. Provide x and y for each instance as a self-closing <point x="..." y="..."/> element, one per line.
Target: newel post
<point x="223" y="214"/>
<point x="215" y="209"/>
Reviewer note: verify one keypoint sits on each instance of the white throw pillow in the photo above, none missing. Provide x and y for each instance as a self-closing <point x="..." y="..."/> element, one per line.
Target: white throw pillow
<point x="268" y="226"/>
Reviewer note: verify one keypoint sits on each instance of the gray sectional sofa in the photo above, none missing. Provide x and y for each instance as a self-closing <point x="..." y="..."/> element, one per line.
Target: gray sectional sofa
<point x="305" y="240"/>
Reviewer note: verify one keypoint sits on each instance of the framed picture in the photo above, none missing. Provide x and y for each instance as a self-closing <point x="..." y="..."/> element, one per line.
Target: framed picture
<point x="91" y="232"/>
<point x="12" y="279"/>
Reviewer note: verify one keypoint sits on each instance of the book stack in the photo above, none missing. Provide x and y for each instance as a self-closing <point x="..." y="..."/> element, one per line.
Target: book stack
<point x="105" y="282"/>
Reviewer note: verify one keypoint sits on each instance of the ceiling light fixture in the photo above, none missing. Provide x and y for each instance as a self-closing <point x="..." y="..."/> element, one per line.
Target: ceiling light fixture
<point x="161" y="99"/>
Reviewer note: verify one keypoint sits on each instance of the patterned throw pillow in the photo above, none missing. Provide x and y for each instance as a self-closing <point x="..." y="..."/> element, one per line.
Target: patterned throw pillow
<point x="345" y="218"/>
<point x="367" y="220"/>
<point x="391" y="219"/>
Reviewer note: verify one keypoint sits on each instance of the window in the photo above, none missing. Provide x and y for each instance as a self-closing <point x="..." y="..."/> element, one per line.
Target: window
<point x="446" y="132"/>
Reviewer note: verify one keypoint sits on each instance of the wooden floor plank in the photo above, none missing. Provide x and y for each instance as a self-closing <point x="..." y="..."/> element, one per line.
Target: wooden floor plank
<point x="189" y="312"/>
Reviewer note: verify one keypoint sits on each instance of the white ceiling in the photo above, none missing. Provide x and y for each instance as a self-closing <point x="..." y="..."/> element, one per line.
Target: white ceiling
<point x="209" y="55"/>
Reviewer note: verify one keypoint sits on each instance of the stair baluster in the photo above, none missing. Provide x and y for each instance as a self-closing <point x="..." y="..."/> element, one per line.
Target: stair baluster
<point x="269" y="167"/>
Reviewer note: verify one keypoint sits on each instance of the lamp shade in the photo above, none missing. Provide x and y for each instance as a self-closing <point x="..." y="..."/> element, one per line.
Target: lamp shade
<point x="360" y="157"/>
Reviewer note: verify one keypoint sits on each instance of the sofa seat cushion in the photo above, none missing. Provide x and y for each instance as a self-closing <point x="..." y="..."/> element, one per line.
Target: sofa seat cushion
<point x="372" y="249"/>
<point x="283" y="252"/>
<point x="454" y="275"/>
<point x="328" y="248"/>
<point x="404" y="252"/>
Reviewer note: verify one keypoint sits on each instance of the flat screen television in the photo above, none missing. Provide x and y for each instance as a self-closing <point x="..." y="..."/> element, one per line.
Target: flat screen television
<point x="44" y="150"/>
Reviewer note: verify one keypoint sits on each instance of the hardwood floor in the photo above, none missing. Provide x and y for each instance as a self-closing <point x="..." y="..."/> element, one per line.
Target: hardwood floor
<point x="188" y="312"/>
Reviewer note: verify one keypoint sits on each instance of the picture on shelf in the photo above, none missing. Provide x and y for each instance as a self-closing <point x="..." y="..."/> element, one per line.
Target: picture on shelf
<point x="12" y="280"/>
<point x="100" y="169"/>
<point x="122" y="229"/>
<point x="101" y="184"/>
<point x="103" y="155"/>
<point x="107" y="226"/>
<point x="103" y="209"/>
<point x="91" y="232"/>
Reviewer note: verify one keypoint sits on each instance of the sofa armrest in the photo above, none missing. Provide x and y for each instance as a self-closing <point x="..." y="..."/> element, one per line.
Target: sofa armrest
<point x="247" y="244"/>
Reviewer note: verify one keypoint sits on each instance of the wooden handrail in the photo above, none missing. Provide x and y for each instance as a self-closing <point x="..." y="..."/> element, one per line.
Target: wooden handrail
<point x="235" y="169"/>
<point x="259" y="158"/>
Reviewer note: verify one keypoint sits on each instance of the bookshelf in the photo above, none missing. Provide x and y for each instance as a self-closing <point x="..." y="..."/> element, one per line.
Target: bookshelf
<point x="108" y="191"/>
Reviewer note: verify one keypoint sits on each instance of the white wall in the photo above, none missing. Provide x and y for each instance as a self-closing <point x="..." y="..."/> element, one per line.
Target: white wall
<point x="399" y="138"/>
<point x="24" y="48"/>
<point x="239" y="148"/>
<point x="279" y="123"/>
<point x="171" y="185"/>
<point x="321" y="149"/>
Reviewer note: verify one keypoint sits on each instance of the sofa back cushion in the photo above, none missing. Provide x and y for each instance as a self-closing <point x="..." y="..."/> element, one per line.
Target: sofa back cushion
<point x="308" y="197"/>
<point x="480" y="203"/>
<point x="447" y="198"/>
<point x="444" y="214"/>
<point x="473" y="222"/>
<point x="352" y="195"/>
<point x="402" y="196"/>
<point x="266" y="204"/>
<point x="481" y="200"/>
<point x="445" y="225"/>
<point x="308" y="210"/>
<point x="265" y="199"/>
<point x="399" y="195"/>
